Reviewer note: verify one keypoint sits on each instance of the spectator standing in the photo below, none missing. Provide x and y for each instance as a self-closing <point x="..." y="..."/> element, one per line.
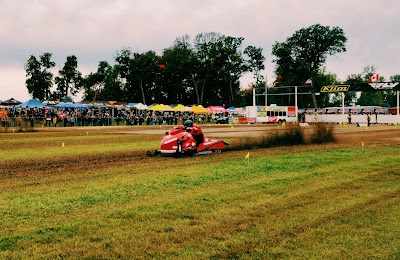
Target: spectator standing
<point x="48" y="119"/>
<point x="148" y="119"/>
<point x="368" y="119"/>
<point x="3" y="117"/>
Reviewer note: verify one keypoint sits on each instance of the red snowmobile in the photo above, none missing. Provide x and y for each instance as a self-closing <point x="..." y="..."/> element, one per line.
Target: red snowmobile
<point x="183" y="140"/>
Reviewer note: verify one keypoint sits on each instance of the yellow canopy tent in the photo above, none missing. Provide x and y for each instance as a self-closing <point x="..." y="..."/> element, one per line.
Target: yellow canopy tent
<point x="160" y="107"/>
<point x="187" y="109"/>
<point x="178" y="108"/>
<point x="200" y="110"/>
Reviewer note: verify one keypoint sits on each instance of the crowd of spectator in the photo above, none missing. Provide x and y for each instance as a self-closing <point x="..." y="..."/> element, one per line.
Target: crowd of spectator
<point x="52" y="117"/>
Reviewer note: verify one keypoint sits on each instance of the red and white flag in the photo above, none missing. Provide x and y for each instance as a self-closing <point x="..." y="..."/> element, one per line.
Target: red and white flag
<point x="279" y="77"/>
<point x="374" y="78"/>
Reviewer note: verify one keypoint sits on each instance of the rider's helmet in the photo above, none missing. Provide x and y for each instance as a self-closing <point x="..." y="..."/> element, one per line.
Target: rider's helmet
<point x="188" y="123"/>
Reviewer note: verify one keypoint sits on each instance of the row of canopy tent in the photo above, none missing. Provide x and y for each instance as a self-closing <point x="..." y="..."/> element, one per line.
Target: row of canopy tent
<point x="181" y="108"/>
<point x="34" y="103"/>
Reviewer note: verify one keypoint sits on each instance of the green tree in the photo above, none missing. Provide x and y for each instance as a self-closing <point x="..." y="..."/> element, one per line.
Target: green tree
<point x="218" y="68"/>
<point x="395" y="78"/>
<point x="255" y="62"/>
<point x="351" y="97"/>
<point x="232" y="65"/>
<point x="370" y="98"/>
<point x="102" y="84"/>
<point x="204" y="52"/>
<point x="303" y="53"/>
<point x="112" y="85"/>
<point x="390" y="97"/>
<point x="179" y="61"/>
<point x="39" y="79"/>
<point x="325" y="78"/>
<point x="146" y="67"/>
<point x="246" y="95"/>
<point x="123" y="61"/>
<point x="139" y="72"/>
<point x="70" y="78"/>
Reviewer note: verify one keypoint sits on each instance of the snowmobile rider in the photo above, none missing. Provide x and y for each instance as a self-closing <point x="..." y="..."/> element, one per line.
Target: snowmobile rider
<point x="195" y="130"/>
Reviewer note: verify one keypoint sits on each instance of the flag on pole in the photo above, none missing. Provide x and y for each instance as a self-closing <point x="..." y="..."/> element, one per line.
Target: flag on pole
<point x="374" y="78"/>
<point x="62" y="145"/>
<point x="279" y="77"/>
<point x="248" y="155"/>
<point x="308" y="81"/>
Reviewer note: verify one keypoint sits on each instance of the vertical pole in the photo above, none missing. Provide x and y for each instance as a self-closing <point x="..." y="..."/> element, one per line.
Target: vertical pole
<point x="295" y="102"/>
<point x="342" y="103"/>
<point x="266" y="94"/>
<point x="398" y="109"/>
<point x="254" y="96"/>
<point x="112" y="115"/>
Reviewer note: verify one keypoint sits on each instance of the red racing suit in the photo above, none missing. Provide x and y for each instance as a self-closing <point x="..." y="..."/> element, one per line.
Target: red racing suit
<point x="197" y="134"/>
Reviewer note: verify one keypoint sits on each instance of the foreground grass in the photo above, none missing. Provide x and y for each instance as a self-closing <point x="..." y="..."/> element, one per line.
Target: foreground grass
<point x="34" y="146"/>
<point x="301" y="202"/>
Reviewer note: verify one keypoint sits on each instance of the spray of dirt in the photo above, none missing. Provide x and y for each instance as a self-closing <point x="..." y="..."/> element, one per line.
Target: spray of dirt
<point x="291" y="135"/>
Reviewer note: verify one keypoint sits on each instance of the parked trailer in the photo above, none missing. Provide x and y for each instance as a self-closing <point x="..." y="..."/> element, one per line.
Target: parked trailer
<point x="272" y="113"/>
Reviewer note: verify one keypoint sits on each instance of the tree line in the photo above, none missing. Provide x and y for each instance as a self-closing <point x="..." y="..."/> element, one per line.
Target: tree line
<point x="205" y="71"/>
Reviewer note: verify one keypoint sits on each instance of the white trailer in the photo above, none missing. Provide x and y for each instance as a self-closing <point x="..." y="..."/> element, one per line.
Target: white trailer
<point x="272" y="113"/>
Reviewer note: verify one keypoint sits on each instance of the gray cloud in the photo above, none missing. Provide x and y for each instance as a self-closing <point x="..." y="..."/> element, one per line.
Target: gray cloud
<point x="94" y="30"/>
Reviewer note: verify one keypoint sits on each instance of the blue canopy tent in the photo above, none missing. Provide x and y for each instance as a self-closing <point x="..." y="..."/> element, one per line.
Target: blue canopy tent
<point x="70" y="105"/>
<point x="132" y="104"/>
<point x="31" y="103"/>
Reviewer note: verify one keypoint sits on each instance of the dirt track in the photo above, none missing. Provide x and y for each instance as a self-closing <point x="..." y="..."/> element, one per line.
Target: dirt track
<point x="344" y="133"/>
<point x="347" y="134"/>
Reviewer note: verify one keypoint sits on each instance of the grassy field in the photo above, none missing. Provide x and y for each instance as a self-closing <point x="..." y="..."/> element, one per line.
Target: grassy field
<point x="100" y="197"/>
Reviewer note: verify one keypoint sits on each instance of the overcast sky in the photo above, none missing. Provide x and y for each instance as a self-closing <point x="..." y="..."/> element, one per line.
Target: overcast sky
<point x="94" y="30"/>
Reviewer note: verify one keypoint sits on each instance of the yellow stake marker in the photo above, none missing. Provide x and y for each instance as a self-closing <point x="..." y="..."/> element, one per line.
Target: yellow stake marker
<point x="62" y="145"/>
